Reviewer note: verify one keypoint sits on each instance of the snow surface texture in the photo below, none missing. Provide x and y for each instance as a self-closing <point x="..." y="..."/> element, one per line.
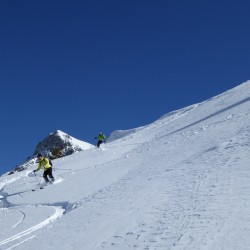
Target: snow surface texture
<point x="182" y="182"/>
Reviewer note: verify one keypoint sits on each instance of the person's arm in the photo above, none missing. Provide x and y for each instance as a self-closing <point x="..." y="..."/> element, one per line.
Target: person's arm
<point x="39" y="167"/>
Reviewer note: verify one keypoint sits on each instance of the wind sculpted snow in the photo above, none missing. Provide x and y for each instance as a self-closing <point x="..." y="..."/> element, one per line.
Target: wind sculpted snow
<point x="182" y="182"/>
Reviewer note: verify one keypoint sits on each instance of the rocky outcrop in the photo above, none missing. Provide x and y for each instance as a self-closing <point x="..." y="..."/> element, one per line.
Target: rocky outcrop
<point x="59" y="144"/>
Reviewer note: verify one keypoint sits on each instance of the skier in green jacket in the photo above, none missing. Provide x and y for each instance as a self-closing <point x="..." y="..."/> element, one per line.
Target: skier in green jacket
<point x="45" y="163"/>
<point x="101" y="138"/>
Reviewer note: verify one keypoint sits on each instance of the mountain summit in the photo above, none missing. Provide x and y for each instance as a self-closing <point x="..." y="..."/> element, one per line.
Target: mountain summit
<point x="60" y="144"/>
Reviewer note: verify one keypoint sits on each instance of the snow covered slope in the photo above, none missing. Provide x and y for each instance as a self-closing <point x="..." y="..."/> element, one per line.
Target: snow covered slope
<point x="182" y="182"/>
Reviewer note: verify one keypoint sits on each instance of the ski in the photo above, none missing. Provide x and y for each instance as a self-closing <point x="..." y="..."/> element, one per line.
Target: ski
<point x="33" y="190"/>
<point x="43" y="185"/>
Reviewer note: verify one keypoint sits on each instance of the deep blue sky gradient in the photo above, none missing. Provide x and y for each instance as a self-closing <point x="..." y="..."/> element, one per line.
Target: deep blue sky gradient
<point x="89" y="66"/>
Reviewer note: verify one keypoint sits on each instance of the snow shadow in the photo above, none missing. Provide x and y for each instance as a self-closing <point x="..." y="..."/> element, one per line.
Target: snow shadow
<point x="65" y="205"/>
<point x="212" y="115"/>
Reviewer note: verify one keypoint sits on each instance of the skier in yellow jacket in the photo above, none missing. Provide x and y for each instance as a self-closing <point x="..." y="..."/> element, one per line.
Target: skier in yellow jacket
<point x="45" y="163"/>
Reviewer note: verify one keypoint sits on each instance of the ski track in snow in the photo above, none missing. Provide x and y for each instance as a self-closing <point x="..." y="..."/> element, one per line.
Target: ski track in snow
<point x="21" y="220"/>
<point x="59" y="209"/>
<point x="57" y="214"/>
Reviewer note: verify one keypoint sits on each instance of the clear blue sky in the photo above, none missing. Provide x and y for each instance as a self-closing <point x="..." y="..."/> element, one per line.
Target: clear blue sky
<point x="89" y="66"/>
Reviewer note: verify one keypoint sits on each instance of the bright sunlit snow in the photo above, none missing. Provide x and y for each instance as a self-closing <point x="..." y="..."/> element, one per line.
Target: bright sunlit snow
<point x="81" y="144"/>
<point x="182" y="182"/>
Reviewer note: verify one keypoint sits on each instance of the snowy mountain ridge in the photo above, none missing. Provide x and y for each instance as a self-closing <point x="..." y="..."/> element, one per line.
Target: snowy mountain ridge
<point x="181" y="182"/>
<point x="55" y="145"/>
<point x="61" y="141"/>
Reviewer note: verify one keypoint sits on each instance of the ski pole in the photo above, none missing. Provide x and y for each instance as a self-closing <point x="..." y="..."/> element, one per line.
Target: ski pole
<point x="63" y="169"/>
<point x="36" y="178"/>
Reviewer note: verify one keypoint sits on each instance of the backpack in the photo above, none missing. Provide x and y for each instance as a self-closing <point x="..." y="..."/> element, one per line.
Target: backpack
<point x="50" y="162"/>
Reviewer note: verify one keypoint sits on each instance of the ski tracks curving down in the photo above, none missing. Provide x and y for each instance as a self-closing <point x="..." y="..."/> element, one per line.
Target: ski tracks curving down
<point x="23" y="222"/>
<point x="21" y="228"/>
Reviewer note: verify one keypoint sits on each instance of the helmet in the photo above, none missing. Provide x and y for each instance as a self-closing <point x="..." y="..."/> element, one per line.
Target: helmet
<point x="39" y="155"/>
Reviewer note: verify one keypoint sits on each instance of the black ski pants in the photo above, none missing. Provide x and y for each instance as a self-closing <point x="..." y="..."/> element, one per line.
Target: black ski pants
<point x="48" y="172"/>
<point x="99" y="143"/>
